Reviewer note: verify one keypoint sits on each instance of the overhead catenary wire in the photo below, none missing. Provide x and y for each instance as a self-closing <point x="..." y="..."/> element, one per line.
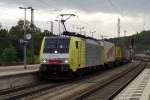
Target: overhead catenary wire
<point x="48" y="5"/>
<point x="122" y="13"/>
<point x="140" y="5"/>
<point x="44" y="3"/>
<point x="115" y="7"/>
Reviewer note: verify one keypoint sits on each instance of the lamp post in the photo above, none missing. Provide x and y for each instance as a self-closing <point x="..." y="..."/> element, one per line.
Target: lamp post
<point x="59" y="25"/>
<point x="93" y="33"/>
<point x="52" y="26"/>
<point x="103" y="36"/>
<point x="25" y="31"/>
<point x="80" y="28"/>
<point x="84" y="32"/>
<point x="32" y="31"/>
<point x="118" y="25"/>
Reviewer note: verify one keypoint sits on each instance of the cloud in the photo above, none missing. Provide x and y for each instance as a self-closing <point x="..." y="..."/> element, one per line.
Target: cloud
<point x="95" y="15"/>
<point x="92" y="6"/>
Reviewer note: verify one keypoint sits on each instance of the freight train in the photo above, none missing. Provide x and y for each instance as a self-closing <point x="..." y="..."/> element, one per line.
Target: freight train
<point x="72" y="54"/>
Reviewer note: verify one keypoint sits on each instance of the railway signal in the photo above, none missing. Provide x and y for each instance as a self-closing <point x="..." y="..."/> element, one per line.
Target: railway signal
<point x="24" y="42"/>
<point x="28" y="36"/>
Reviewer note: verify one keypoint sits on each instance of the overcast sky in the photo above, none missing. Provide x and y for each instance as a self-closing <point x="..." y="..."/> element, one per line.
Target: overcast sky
<point x="95" y="15"/>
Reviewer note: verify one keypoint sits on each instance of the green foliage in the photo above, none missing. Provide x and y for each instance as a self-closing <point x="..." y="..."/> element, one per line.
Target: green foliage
<point x="4" y="39"/>
<point x="8" y="55"/>
<point x="16" y="33"/>
<point x="30" y="57"/>
<point x="10" y="48"/>
<point x="141" y="41"/>
<point x="36" y="59"/>
<point x="47" y="33"/>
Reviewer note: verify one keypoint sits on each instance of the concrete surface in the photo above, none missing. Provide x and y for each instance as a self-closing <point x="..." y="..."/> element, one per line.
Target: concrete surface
<point x="10" y="70"/>
<point x="13" y="76"/>
<point x="138" y="89"/>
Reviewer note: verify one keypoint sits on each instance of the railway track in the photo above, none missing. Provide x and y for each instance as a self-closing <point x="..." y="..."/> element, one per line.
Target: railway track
<point x="74" y="89"/>
<point x="23" y="91"/>
<point x="108" y="90"/>
<point x="79" y="89"/>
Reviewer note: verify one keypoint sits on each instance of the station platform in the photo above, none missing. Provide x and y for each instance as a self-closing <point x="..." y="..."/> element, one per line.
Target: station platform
<point x="10" y="70"/>
<point x="138" y="89"/>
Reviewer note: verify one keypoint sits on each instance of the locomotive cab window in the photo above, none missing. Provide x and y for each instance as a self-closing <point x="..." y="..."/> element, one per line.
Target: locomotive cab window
<point x="59" y="44"/>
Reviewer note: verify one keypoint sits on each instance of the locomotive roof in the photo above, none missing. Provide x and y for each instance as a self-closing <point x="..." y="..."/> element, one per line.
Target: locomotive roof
<point x="55" y="37"/>
<point x="77" y="35"/>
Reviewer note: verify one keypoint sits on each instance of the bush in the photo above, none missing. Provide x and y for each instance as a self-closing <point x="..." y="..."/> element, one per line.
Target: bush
<point x="8" y="55"/>
<point x="36" y="57"/>
<point x="30" y="57"/>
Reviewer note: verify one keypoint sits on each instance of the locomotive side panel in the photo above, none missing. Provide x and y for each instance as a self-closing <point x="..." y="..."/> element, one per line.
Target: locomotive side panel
<point x="92" y="53"/>
<point x="76" y="53"/>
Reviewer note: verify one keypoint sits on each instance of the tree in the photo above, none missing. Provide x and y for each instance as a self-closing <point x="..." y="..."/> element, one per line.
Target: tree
<point x="4" y="39"/>
<point x="8" y="55"/>
<point x="17" y="32"/>
<point x="0" y="25"/>
<point x="30" y="57"/>
<point x="10" y="47"/>
<point x="140" y="41"/>
<point x="47" y="33"/>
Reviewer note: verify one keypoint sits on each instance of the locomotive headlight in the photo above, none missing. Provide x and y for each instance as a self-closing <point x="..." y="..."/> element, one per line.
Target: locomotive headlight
<point x="55" y="51"/>
<point x="66" y="61"/>
<point x="44" y="60"/>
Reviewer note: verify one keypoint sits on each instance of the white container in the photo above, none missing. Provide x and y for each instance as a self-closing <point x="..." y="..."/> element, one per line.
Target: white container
<point x="109" y="52"/>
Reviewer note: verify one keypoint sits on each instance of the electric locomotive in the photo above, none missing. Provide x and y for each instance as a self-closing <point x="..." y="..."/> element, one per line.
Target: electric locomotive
<point x="63" y="56"/>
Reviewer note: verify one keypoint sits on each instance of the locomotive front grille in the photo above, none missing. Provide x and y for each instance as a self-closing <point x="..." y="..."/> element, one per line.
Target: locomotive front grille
<point x="56" y="68"/>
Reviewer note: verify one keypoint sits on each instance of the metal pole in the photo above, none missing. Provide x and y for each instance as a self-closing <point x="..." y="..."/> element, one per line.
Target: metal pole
<point x="73" y="27"/>
<point x="25" y="30"/>
<point x="125" y="33"/>
<point x="84" y="33"/>
<point x="59" y="27"/>
<point x="32" y="17"/>
<point x="80" y="30"/>
<point x="118" y="27"/>
<point x="92" y="33"/>
<point x="52" y="27"/>
<point x="32" y="29"/>
<point x="25" y="48"/>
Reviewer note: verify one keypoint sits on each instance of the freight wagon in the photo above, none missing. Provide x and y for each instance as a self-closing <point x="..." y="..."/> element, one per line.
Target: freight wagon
<point x="109" y="52"/>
